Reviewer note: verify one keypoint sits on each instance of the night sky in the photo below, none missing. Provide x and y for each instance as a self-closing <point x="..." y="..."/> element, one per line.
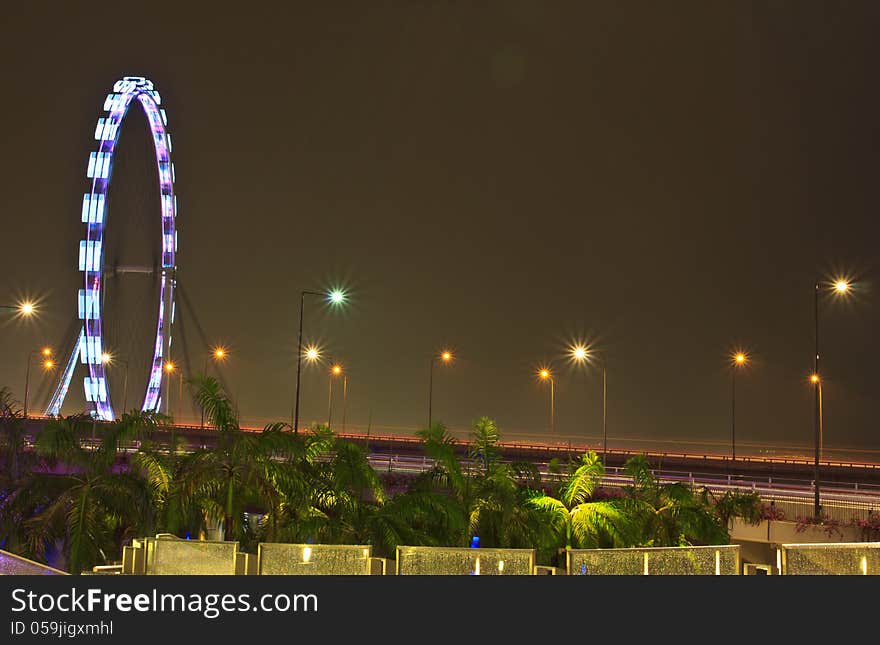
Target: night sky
<point x="663" y="180"/>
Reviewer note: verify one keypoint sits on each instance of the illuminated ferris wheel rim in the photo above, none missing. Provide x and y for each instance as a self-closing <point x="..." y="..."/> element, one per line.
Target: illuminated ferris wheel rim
<point x="90" y="347"/>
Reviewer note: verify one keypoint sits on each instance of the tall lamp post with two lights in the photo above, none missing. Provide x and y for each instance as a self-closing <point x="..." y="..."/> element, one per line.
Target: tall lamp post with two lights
<point x="48" y="364"/>
<point x="336" y="297"/>
<point x="840" y="287"/>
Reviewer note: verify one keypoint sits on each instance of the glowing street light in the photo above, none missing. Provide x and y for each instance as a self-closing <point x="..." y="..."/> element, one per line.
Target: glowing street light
<point x="218" y="354"/>
<point x="581" y="354"/>
<point x="545" y="375"/>
<point x="446" y="357"/>
<point x="738" y="359"/>
<point x="312" y="354"/>
<point x="336" y="298"/>
<point x="25" y="309"/>
<point x="47" y="364"/>
<point x="840" y="287"/>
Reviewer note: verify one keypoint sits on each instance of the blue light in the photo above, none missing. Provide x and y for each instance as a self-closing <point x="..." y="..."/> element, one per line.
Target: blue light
<point x="89" y="255"/>
<point x="475" y="542"/>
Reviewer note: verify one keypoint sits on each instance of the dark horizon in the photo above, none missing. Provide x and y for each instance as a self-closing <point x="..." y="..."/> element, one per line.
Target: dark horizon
<point x="664" y="182"/>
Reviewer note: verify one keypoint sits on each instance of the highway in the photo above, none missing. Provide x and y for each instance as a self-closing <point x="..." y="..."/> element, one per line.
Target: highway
<point x="849" y="489"/>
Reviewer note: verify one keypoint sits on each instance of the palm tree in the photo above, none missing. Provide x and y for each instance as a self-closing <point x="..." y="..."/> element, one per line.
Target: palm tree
<point x="78" y="498"/>
<point x="733" y="503"/>
<point x="579" y="520"/>
<point x="484" y="448"/>
<point x="265" y="471"/>
<point x="669" y="514"/>
<point x="12" y="440"/>
<point x="490" y="500"/>
<point x="499" y="511"/>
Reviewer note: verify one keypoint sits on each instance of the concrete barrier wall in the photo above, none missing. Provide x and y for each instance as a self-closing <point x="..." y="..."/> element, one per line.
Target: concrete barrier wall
<point x="313" y="559"/>
<point x="844" y="558"/>
<point x="189" y="557"/>
<point x="655" y="561"/>
<point x="15" y="565"/>
<point x="426" y="560"/>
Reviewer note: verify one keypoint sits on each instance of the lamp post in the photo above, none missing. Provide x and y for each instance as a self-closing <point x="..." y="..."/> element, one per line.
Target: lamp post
<point x="335" y="297"/>
<point x="344" y="399"/>
<point x="446" y="357"/>
<point x="739" y="359"/>
<point x="170" y="368"/>
<point x="581" y="354"/>
<point x="109" y="359"/>
<point x="48" y="364"/>
<point x="545" y="375"/>
<point x="25" y="309"/>
<point x="218" y="354"/>
<point x="840" y="287"/>
<point x="312" y="355"/>
<point x="335" y="370"/>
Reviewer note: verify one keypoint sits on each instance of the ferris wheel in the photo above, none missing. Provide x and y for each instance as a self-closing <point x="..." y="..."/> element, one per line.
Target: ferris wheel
<point x="91" y="347"/>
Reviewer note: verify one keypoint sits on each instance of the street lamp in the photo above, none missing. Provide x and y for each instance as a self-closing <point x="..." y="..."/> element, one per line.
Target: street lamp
<point x="344" y="398"/>
<point x="817" y="382"/>
<point x="335" y="370"/>
<point x="839" y="287"/>
<point x="738" y="360"/>
<point x="313" y="354"/>
<point x="445" y="357"/>
<point x="25" y="309"/>
<point x="336" y="298"/>
<point x="582" y="354"/>
<point x="48" y="364"/>
<point x="170" y="368"/>
<point x="545" y="375"/>
<point x="218" y="354"/>
<point x="109" y="359"/>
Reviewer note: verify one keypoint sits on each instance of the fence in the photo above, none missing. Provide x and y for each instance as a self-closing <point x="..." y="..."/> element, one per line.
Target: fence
<point x="313" y="559"/>
<point x="424" y="560"/>
<point x="654" y="561"/>
<point x="15" y="565"/>
<point x="842" y="558"/>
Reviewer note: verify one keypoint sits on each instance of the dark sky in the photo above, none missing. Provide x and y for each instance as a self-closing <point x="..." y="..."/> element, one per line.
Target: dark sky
<point x="666" y="180"/>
